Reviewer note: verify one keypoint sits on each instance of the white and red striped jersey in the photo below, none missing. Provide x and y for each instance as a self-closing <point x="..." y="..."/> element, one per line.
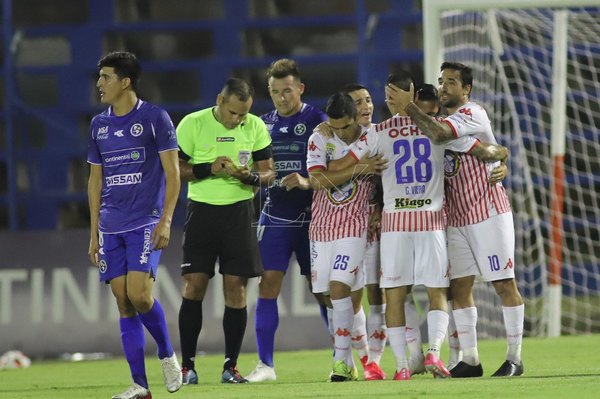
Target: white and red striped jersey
<point x="342" y="211"/>
<point x="470" y="197"/>
<point x="413" y="183"/>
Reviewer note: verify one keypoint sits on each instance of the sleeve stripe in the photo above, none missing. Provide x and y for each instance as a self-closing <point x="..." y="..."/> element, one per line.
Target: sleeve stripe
<point x="316" y="167"/>
<point x="451" y="127"/>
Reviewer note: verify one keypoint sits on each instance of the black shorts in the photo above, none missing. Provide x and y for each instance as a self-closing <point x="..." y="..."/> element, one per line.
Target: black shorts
<point x="223" y="232"/>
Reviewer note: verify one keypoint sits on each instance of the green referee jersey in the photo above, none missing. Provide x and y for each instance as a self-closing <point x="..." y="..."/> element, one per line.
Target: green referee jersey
<point x="203" y="139"/>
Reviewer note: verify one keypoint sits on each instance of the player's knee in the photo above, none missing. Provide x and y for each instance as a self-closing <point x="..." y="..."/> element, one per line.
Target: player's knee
<point x="140" y="301"/>
<point x="269" y="286"/>
<point x="503" y="287"/>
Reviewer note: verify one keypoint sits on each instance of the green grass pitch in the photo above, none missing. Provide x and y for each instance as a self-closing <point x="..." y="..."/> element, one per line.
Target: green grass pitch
<point x="565" y="367"/>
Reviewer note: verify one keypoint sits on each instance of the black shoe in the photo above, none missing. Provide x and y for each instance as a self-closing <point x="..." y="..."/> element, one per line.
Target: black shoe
<point x="509" y="369"/>
<point x="232" y="376"/>
<point x="464" y="370"/>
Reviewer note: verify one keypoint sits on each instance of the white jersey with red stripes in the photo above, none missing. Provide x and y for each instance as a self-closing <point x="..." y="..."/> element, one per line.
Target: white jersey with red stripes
<point x="470" y="197"/>
<point x="342" y="211"/>
<point x="413" y="183"/>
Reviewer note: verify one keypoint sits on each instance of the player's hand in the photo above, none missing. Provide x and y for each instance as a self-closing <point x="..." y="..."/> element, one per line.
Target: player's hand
<point x="219" y="166"/>
<point x="498" y="173"/>
<point x="295" y="180"/>
<point x="94" y="250"/>
<point x="324" y="130"/>
<point x="371" y="166"/>
<point x="397" y="99"/>
<point x="161" y="235"/>
<point x="374" y="224"/>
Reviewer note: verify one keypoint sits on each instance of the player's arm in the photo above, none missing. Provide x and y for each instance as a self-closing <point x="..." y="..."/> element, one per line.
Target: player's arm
<point x="489" y="152"/>
<point x="398" y="99"/>
<point x="162" y="232"/>
<point x="325" y="178"/>
<point x="94" y="194"/>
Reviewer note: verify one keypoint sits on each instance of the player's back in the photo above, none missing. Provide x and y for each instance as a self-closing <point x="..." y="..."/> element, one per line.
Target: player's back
<point x="413" y="180"/>
<point x="413" y="185"/>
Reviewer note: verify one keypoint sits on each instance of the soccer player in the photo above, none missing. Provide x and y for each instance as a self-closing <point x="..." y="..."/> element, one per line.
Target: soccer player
<point x="133" y="188"/>
<point x="339" y="224"/>
<point x="225" y="154"/>
<point x="285" y="216"/>
<point x="369" y="333"/>
<point x="476" y="212"/>
<point x="413" y="245"/>
<point x="426" y="98"/>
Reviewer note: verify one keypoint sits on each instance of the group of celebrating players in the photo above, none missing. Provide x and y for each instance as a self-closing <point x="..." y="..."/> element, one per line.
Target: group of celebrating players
<point x="414" y="200"/>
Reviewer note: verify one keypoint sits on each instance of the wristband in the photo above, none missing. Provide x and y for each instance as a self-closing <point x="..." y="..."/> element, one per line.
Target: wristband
<point x="253" y="180"/>
<point x="202" y="170"/>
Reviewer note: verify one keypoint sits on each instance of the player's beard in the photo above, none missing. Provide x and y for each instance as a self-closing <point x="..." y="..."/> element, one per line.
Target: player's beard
<point x="450" y="102"/>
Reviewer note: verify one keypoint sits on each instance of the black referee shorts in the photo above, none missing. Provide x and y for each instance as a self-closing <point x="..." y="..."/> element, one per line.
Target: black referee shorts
<point x="223" y="232"/>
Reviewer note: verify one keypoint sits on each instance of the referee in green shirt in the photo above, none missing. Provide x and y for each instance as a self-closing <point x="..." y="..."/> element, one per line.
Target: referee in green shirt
<point x="225" y="155"/>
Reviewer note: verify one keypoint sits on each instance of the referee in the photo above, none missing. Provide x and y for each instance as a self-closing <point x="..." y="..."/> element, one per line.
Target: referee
<point x="225" y="155"/>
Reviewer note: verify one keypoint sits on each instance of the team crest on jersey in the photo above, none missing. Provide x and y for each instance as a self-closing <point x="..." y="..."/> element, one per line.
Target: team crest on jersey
<point x="451" y="164"/>
<point x="343" y="194"/>
<point x="136" y="129"/>
<point x="102" y="266"/>
<point x="243" y="157"/>
<point x="300" y="129"/>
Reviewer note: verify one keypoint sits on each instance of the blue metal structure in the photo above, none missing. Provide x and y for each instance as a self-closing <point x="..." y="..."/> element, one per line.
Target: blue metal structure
<point x="45" y="140"/>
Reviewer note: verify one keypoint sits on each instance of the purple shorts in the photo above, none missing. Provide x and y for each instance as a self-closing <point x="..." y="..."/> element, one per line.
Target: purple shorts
<point x="122" y="253"/>
<point x="278" y="242"/>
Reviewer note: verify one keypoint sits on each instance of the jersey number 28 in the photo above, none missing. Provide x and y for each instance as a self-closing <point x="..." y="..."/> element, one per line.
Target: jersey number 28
<point x="418" y="171"/>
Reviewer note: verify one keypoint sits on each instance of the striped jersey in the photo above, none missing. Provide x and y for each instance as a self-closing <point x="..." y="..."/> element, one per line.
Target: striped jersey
<point x="470" y="197"/>
<point x="341" y="211"/>
<point x="413" y="183"/>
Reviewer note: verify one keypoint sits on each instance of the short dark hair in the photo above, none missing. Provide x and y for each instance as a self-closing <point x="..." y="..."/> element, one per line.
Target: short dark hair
<point x="125" y="64"/>
<point x="340" y="105"/>
<point x="284" y="67"/>
<point x="401" y="78"/>
<point x="349" y="88"/>
<point x="426" y="92"/>
<point x="238" y="87"/>
<point x="466" y="73"/>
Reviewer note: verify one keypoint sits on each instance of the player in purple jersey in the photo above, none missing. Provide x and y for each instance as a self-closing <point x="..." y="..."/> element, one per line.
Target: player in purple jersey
<point x="285" y="216"/>
<point x="133" y="188"/>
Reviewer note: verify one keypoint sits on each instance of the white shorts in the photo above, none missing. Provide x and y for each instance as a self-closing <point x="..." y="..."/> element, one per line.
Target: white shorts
<point x="486" y="248"/>
<point x="371" y="264"/>
<point x="414" y="258"/>
<point x="339" y="260"/>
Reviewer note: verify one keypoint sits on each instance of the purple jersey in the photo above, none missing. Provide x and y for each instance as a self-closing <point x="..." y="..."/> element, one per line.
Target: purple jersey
<point x="127" y="147"/>
<point x="290" y="137"/>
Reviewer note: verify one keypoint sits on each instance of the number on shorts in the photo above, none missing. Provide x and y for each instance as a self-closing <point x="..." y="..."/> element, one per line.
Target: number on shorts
<point x="341" y="262"/>
<point x="494" y="263"/>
